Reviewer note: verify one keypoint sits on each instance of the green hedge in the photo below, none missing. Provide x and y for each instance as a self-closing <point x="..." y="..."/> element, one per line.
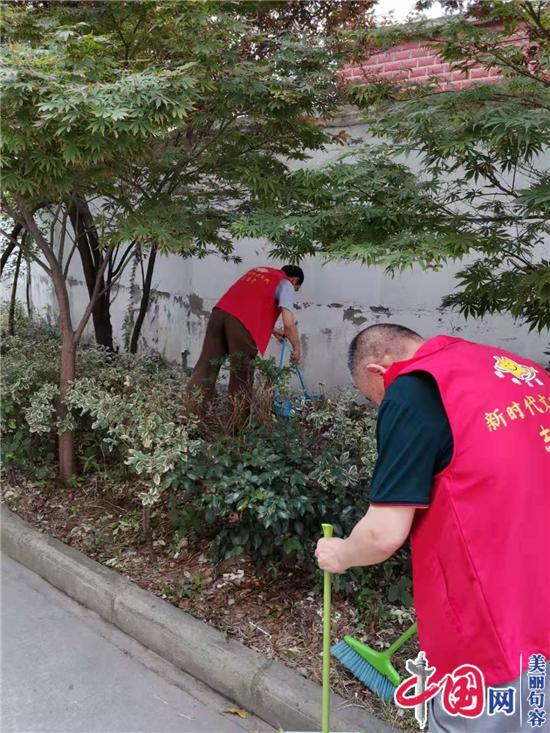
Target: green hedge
<point x="263" y="492"/>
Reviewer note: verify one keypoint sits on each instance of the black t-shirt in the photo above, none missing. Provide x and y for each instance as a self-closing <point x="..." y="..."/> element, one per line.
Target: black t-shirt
<point x="414" y="441"/>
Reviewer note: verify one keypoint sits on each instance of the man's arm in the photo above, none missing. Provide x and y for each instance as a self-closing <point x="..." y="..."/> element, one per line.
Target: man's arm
<point x="374" y="538"/>
<point x="415" y="443"/>
<point x="291" y="332"/>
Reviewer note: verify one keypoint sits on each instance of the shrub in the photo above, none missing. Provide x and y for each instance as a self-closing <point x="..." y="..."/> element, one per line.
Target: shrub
<point x="263" y="491"/>
<point x="268" y="490"/>
<point x="28" y="390"/>
<point x="125" y="409"/>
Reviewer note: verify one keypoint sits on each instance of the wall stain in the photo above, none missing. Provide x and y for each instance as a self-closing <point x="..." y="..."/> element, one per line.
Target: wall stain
<point x="196" y="306"/>
<point x="381" y="309"/>
<point x="355" y="316"/>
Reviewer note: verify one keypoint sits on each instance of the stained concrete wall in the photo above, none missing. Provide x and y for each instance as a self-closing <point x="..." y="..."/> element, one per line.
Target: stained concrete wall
<point x="336" y="301"/>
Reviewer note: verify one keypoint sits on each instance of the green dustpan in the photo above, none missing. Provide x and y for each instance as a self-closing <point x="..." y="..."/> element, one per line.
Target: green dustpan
<point x="325" y="717"/>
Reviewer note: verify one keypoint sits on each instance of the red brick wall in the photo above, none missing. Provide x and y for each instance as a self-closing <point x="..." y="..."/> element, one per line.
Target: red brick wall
<point x="415" y="62"/>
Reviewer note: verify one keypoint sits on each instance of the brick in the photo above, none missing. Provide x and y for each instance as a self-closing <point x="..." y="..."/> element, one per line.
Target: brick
<point x="393" y="75"/>
<point x="400" y="55"/>
<point x="440" y="69"/>
<point x="395" y="66"/>
<point x="419" y="73"/>
<point x="431" y="70"/>
<point x="479" y="73"/>
<point x="378" y="58"/>
<point x="427" y="60"/>
<point x="374" y="69"/>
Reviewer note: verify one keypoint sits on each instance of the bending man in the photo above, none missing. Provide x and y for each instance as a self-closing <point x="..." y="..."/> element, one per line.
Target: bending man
<point x="464" y="467"/>
<point x="241" y="324"/>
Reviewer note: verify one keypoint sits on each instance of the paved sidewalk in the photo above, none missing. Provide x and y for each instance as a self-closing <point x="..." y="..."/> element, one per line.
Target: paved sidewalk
<point x="64" y="670"/>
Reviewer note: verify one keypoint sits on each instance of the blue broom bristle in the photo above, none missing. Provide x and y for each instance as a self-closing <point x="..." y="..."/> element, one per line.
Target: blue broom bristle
<point x="364" y="671"/>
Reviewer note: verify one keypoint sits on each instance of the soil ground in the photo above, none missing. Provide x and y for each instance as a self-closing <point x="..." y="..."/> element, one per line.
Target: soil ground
<point x="272" y="610"/>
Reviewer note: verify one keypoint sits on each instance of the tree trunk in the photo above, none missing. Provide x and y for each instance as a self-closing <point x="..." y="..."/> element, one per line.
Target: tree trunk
<point x="87" y="242"/>
<point x="28" y="289"/>
<point x="145" y="297"/>
<point x="69" y="338"/>
<point x="12" y="244"/>
<point x="13" y="299"/>
<point x="66" y="438"/>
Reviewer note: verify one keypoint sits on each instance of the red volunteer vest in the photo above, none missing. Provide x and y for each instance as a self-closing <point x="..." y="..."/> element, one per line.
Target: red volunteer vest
<point x="481" y="551"/>
<point x="252" y="301"/>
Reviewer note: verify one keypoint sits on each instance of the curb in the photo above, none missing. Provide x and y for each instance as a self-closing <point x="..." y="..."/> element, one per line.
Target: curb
<point x="265" y="687"/>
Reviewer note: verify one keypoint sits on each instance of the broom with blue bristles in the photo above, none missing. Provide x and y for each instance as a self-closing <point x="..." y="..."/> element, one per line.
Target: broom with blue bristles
<point x="373" y="669"/>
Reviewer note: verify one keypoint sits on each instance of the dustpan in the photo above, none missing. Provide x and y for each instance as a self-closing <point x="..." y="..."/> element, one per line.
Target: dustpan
<point x="288" y="407"/>
<point x="325" y="718"/>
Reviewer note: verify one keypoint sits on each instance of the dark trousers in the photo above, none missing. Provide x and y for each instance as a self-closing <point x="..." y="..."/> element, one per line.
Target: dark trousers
<point x="225" y="335"/>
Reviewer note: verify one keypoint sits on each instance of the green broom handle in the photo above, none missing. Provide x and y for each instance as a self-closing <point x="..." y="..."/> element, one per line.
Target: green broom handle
<point x="402" y="639"/>
<point x="327" y="532"/>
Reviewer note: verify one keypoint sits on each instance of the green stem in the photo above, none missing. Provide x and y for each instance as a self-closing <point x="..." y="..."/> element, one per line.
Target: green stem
<point x="327" y="532"/>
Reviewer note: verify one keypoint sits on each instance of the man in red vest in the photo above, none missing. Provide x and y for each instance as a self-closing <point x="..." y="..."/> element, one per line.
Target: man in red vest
<point x="463" y="467"/>
<point x="242" y="324"/>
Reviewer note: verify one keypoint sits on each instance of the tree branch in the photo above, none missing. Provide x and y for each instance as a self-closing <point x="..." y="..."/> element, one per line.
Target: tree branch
<point x="93" y="298"/>
<point x="123" y="261"/>
<point x="69" y="258"/>
<point x="13" y="243"/>
<point x="535" y="17"/>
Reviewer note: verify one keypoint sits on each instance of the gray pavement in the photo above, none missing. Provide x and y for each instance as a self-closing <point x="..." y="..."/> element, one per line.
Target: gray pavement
<point x="65" y="670"/>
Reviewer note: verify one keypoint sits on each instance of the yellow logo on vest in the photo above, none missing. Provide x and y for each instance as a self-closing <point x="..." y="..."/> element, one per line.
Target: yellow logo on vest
<point x="520" y="373"/>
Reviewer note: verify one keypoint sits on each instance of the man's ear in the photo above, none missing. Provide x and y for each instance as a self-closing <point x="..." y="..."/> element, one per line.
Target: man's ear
<point x="376" y="369"/>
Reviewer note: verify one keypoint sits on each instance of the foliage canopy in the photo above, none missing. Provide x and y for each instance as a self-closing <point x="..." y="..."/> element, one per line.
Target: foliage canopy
<point x="459" y="174"/>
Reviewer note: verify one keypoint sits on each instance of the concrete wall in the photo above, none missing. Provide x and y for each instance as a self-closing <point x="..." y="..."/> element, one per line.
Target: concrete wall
<point x="336" y="301"/>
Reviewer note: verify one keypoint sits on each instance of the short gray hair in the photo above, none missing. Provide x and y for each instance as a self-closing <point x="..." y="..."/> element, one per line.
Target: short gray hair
<point x="379" y="342"/>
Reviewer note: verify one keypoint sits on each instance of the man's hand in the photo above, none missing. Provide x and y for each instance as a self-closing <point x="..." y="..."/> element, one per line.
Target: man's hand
<point x="374" y="538"/>
<point x="330" y="555"/>
<point x="291" y="333"/>
<point x="279" y="334"/>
